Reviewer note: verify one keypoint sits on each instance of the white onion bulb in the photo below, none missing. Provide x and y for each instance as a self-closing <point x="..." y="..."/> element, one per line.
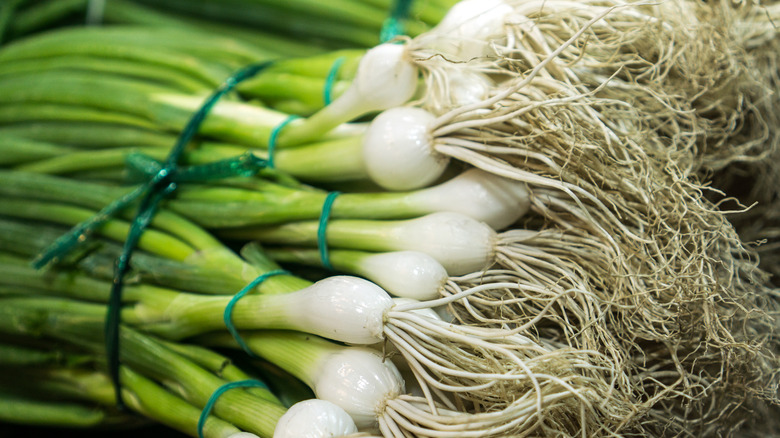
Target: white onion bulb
<point x="486" y="197"/>
<point x="314" y="418"/>
<point x="467" y="29"/>
<point x="461" y="244"/>
<point x="409" y="274"/>
<point x="385" y="79"/>
<point x="359" y="380"/>
<point x="343" y="308"/>
<point x="398" y="149"/>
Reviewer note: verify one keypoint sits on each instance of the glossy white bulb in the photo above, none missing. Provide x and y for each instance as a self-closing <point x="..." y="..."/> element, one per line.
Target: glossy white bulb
<point x="385" y="78"/>
<point x="486" y="197"/>
<point x="398" y="149"/>
<point x="465" y="87"/>
<point x="461" y="244"/>
<point x="342" y="308"/>
<point x="409" y="274"/>
<point x="314" y="418"/>
<point x="359" y="380"/>
<point x="467" y="29"/>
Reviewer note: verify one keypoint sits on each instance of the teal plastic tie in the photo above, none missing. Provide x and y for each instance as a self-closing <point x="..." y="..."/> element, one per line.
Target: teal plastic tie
<point x="228" y="316"/>
<point x="393" y="25"/>
<point x="274" y="138"/>
<point x="322" y="238"/>
<point x="159" y="186"/>
<point x="330" y="80"/>
<point x="204" y="414"/>
<point x="246" y="164"/>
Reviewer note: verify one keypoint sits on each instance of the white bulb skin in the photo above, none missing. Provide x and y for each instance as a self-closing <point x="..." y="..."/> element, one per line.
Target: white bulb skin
<point x="460" y="87"/>
<point x="314" y="418"/>
<point x="489" y="198"/>
<point x="398" y="149"/>
<point x="385" y="78"/>
<point x="468" y="87"/>
<point x="360" y="381"/>
<point x="467" y="29"/>
<point x="244" y="435"/>
<point x="409" y="274"/>
<point x="461" y="244"/>
<point x="342" y="308"/>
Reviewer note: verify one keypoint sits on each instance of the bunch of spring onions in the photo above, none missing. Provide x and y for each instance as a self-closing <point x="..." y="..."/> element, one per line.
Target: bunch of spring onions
<point x="526" y="170"/>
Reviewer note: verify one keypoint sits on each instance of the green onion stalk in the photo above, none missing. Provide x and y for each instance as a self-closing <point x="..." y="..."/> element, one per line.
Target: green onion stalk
<point x="174" y="314"/>
<point x="83" y="390"/>
<point x="161" y="312"/>
<point x="30" y="411"/>
<point x="145" y="104"/>
<point x="404" y="273"/>
<point x="49" y="98"/>
<point x="266" y="199"/>
<point x="347" y="23"/>
<point x="158" y="382"/>
<point x="185" y="61"/>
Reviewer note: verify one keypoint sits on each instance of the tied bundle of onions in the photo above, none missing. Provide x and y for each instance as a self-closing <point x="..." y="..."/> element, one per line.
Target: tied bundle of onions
<point x="458" y="367"/>
<point x="585" y="112"/>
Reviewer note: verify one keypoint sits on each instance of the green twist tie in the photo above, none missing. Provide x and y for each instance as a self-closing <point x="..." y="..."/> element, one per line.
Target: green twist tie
<point x="274" y="138"/>
<point x="322" y="241"/>
<point x="393" y="25"/>
<point x="228" y="316"/>
<point x="327" y="93"/>
<point x="246" y="164"/>
<point x="162" y="183"/>
<point x="219" y="391"/>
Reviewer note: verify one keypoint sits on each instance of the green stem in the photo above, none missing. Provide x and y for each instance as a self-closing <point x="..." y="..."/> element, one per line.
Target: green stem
<point x="16" y="356"/>
<point x="177" y="239"/>
<point x="7" y="12"/>
<point x="166" y="312"/>
<point x="364" y="235"/>
<point x="18" y="150"/>
<point x="30" y="112"/>
<point x="28" y="240"/>
<point x="297" y="353"/>
<point x="14" y="409"/>
<point x="164" y="75"/>
<point x="341" y="260"/>
<point x="89" y="135"/>
<point x="150" y="400"/>
<point x="329" y="161"/>
<point x="201" y="55"/>
<point x="218" y="364"/>
<point x="318" y="66"/>
<point x="152" y="240"/>
<point x="283" y="20"/>
<point x="88" y="160"/>
<point x="118" y="11"/>
<point x="141" y="394"/>
<point x="82" y="324"/>
<point x="43" y="14"/>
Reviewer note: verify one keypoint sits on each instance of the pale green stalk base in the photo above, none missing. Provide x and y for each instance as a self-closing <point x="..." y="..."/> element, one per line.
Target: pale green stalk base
<point x="82" y="324"/>
<point x="20" y="410"/>
<point x="297" y="353"/>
